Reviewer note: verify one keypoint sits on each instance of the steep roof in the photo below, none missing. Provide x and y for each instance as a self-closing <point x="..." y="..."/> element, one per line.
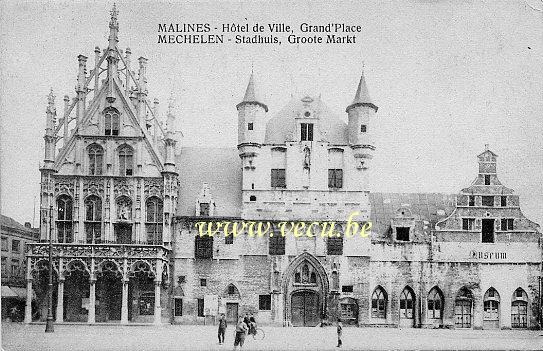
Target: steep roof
<point x="430" y="207"/>
<point x="282" y="126"/>
<point x="218" y="167"/>
<point x="362" y="95"/>
<point x="9" y="222"/>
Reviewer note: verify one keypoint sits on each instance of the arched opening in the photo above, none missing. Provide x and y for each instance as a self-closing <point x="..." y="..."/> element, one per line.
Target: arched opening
<point x="435" y="306"/>
<point x="230" y="299"/>
<point x="379" y="303"/>
<point x="126" y="161"/>
<point x="463" y="306"/>
<point x="519" y="309"/>
<point x="76" y="292"/>
<point x="111" y="121"/>
<point x="141" y="289"/>
<point x="407" y="307"/>
<point x="491" y="309"/>
<point x="40" y="285"/>
<point x="109" y="287"/>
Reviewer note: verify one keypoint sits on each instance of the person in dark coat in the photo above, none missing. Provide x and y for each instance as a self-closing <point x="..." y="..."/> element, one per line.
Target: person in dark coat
<point x="222" y="328"/>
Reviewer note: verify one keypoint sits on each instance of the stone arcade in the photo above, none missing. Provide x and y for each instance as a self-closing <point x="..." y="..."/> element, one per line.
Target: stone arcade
<point x="126" y="198"/>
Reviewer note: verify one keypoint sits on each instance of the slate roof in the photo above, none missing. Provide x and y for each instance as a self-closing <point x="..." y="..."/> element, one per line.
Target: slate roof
<point x="10" y="223"/>
<point x="362" y="95"/>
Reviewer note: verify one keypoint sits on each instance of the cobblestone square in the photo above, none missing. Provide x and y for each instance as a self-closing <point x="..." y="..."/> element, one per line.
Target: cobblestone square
<point x="191" y="337"/>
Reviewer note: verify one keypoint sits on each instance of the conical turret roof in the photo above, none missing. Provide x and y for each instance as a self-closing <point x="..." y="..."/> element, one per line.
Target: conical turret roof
<point x="251" y="95"/>
<point x="362" y="96"/>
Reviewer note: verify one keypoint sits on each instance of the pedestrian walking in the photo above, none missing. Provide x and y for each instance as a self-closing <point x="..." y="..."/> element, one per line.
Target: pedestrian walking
<point x="241" y="329"/>
<point x="222" y="328"/>
<point x="339" y="332"/>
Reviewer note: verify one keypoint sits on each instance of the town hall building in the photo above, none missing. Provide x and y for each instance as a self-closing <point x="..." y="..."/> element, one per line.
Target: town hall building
<point x="124" y="203"/>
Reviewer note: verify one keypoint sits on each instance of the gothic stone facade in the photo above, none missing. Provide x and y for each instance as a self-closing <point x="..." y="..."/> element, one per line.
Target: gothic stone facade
<point x="108" y="194"/>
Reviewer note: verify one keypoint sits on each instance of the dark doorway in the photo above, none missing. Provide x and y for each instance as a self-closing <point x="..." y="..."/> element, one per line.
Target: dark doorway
<point x="232" y="312"/>
<point x="488" y="230"/>
<point x="305" y="309"/>
<point x="123" y="233"/>
<point x="109" y="289"/>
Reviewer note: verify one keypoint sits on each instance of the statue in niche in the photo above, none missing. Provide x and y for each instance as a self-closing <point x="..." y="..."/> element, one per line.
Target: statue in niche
<point x="307" y="158"/>
<point x="124" y="210"/>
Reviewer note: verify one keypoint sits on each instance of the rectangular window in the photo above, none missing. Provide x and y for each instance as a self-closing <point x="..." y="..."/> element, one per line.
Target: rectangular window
<point x="468" y="223"/>
<point x="203" y="282"/>
<point x="472" y="200"/>
<point x="264" y="302"/>
<point x="204" y="209"/>
<point x="487" y="230"/>
<point x="178" y="306"/>
<point x="203" y="247"/>
<point x="5" y="244"/>
<point x="488" y="201"/>
<point x="277" y="244"/>
<point x="487" y="179"/>
<point x="334" y="246"/>
<point x="363" y="128"/>
<point x="200" y="307"/>
<point x="16" y="246"/>
<point x="250" y="126"/>
<point x="507" y="224"/>
<point x="347" y="288"/>
<point x="14" y="268"/>
<point x="278" y="178"/>
<point x="335" y="178"/>
<point x="504" y="201"/>
<point x="307" y="132"/>
<point x="402" y="233"/>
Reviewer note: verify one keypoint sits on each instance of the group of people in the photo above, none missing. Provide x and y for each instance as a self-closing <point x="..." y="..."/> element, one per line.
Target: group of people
<point x="246" y="325"/>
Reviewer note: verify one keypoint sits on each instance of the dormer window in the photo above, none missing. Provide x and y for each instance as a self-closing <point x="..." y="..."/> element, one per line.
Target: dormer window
<point x="306" y="132"/>
<point x="111" y="121"/>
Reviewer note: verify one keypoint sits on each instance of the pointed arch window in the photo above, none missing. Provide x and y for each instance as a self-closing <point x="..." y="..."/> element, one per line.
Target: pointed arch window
<point x="126" y="161"/>
<point x="407" y="303"/>
<point x="154" y="218"/>
<point x="93" y="219"/>
<point x="379" y="303"/>
<point x="435" y="303"/>
<point x="491" y="307"/>
<point x="65" y="219"/>
<point x="519" y="309"/>
<point x="111" y="119"/>
<point x="96" y="159"/>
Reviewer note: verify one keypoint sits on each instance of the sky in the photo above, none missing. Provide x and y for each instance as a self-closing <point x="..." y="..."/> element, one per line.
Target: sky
<point x="448" y="77"/>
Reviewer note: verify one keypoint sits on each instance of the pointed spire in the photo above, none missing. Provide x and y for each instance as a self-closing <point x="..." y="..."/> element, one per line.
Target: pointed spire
<point x="250" y="94"/>
<point x="362" y="96"/>
<point x="51" y="103"/>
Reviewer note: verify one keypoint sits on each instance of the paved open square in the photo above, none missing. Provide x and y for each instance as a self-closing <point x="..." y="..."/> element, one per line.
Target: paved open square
<point x="192" y="337"/>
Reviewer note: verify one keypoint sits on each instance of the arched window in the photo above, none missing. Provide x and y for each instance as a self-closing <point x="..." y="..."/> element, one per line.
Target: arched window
<point x="435" y="303"/>
<point x="153" y="223"/>
<point x="379" y="303"/>
<point x="491" y="308"/>
<point x="93" y="219"/>
<point x="96" y="159"/>
<point x="407" y="303"/>
<point x="126" y="161"/>
<point x="203" y="247"/>
<point x="64" y="219"/>
<point x="111" y="119"/>
<point x="519" y="309"/>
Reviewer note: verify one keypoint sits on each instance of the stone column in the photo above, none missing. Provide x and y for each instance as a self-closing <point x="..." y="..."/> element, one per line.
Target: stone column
<point x="92" y="301"/>
<point x="28" y="306"/>
<point x="124" y="305"/>
<point x="60" y="301"/>
<point x="158" y="308"/>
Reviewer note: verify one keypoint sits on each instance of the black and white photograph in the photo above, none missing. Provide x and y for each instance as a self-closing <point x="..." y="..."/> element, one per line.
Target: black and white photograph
<point x="271" y="175"/>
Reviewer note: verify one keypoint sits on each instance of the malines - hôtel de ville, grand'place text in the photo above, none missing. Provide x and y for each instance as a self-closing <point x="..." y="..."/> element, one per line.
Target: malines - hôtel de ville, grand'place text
<point x="257" y="33"/>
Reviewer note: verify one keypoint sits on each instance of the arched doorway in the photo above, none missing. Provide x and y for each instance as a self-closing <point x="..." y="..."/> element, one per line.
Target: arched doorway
<point x="519" y="309"/>
<point x="76" y="292"/>
<point x="463" y="308"/>
<point x="491" y="309"/>
<point x="305" y="289"/>
<point x="435" y="306"/>
<point x="407" y="308"/>
<point x="109" y="287"/>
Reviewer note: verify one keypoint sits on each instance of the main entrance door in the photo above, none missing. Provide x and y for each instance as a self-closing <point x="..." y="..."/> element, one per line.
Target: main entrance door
<point x="462" y="311"/>
<point x="305" y="309"/>
<point x="232" y="312"/>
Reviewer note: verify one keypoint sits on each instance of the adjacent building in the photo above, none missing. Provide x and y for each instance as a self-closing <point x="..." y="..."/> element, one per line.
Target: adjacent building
<point x="15" y="237"/>
<point x="125" y="204"/>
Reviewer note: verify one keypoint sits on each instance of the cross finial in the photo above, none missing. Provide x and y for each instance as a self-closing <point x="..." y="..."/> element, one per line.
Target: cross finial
<point x="486" y="147"/>
<point x="113" y="21"/>
<point x="51" y="97"/>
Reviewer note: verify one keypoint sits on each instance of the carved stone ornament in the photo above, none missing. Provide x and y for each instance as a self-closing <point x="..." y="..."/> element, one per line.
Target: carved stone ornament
<point x="64" y="185"/>
<point x="153" y="187"/>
